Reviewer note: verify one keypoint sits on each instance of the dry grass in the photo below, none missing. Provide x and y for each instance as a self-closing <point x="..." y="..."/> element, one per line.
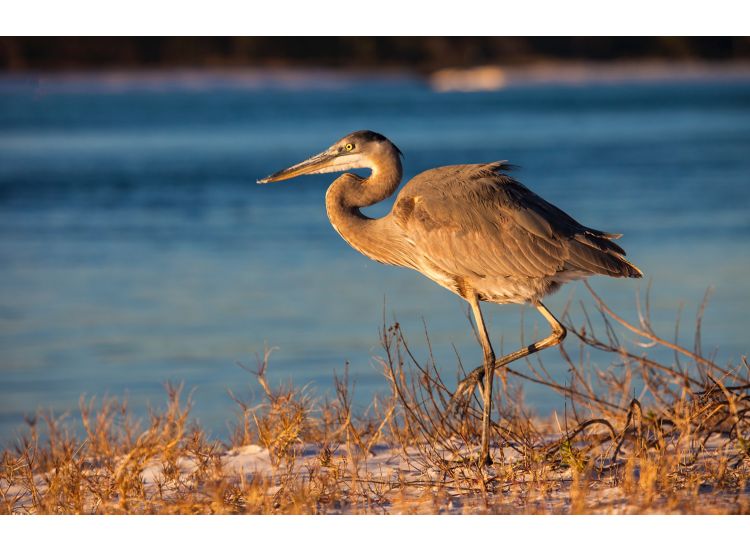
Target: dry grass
<point x="681" y="446"/>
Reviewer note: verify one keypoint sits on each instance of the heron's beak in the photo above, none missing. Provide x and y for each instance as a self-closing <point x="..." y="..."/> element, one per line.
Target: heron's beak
<point x="322" y="162"/>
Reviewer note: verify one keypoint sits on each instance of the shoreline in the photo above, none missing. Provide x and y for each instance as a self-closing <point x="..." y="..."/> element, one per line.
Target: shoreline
<point x="481" y="78"/>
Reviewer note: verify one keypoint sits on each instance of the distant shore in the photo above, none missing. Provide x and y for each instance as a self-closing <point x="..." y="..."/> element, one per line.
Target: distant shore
<point x="471" y="79"/>
<point x="423" y="53"/>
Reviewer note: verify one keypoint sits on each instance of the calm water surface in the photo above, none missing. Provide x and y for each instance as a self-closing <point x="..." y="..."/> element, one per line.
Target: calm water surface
<point x="135" y="247"/>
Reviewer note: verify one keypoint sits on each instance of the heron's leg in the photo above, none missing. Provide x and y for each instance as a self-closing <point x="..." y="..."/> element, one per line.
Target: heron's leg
<point x="476" y="376"/>
<point x="487" y="376"/>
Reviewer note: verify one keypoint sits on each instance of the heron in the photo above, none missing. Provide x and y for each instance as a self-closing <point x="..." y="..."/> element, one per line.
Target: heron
<point x="471" y="228"/>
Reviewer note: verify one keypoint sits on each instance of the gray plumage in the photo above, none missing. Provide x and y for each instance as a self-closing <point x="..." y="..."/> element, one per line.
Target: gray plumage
<point x="473" y="225"/>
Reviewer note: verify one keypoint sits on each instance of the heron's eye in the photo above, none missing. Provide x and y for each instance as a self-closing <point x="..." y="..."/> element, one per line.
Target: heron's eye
<point x="349" y="146"/>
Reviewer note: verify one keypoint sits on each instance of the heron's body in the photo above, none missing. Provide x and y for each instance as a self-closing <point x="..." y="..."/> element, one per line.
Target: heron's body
<point x="471" y="228"/>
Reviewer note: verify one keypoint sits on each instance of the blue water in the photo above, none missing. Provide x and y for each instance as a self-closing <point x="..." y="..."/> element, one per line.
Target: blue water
<point x="136" y="248"/>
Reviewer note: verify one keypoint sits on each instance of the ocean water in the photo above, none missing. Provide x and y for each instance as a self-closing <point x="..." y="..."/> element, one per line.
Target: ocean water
<point x="136" y="248"/>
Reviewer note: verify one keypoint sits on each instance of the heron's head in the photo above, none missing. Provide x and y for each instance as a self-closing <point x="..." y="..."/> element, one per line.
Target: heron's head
<point x="361" y="149"/>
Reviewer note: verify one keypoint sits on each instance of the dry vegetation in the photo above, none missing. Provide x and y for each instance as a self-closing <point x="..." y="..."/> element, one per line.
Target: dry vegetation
<point x="681" y="446"/>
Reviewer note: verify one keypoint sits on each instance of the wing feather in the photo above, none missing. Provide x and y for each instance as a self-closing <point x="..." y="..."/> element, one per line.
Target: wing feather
<point x="476" y="220"/>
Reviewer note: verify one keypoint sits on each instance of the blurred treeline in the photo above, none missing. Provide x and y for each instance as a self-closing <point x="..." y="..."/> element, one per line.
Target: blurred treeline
<point x="417" y="53"/>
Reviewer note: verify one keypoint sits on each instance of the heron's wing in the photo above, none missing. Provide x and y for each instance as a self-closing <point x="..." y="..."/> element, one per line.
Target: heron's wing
<point x="476" y="220"/>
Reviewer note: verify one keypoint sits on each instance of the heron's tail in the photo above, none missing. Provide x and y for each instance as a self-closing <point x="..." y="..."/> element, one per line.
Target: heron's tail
<point x="594" y="252"/>
<point x="630" y="270"/>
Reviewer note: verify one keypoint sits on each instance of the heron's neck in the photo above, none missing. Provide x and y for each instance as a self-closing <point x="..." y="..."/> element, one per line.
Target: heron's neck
<point x="355" y="192"/>
<point x="374" y="238"/>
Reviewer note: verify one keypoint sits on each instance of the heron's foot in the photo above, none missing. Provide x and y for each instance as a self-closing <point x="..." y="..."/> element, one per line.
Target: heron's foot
<point x="472" y="459"/>
<point x="461" y="397"/>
